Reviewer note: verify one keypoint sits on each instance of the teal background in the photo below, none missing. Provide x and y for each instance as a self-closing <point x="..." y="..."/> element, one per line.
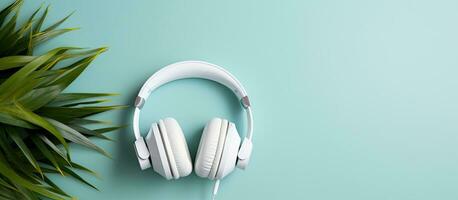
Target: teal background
<point x="352" y="99"/>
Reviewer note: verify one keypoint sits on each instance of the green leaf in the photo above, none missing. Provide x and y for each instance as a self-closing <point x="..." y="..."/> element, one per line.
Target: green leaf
<point x="75" y="69"/>
<point x="86" y="103"/>
<point x="89" y="132"/>
<point x="26" y="194"/>
<point x="39" y="97"/>
<point x="20" y="112"/>
<point x="8" y="194"/>
<point x="17" y="79"/>
<point x="61" y="152"/>
<point x="83" y="121"/>
<point x="108" y="129"/>
<point x="44" y="36"/>
<point x="8" y="29"/>
<point x="44" y="78"/>
<point x="11" y="175"/>
<point x="11" y="120"/>
<point x="45" y="151"/>
<point x="81" y="52"/>
<point x="14" y="134"/>
<point x="14" y="61"/>
<point x="66" y="114"/>
<point x="15" y="37"/>
<point x="11" y="8"/>
<point x="55" y="188"/>
<point x="76" y="137"/>
<point x="34" y="14"/>
<point x="29" y="44"/>
<point x="69" y="98"/>
<point x="41" y="20"/>
<point x="6" y="146"/>
<point x="78" y="177"/>
<point x="82" y="168"/>
<point x="55" y="25"/>
<point x="6" y="184"/>
<point x="29" y="38"/>
<point x="71" y="73"/>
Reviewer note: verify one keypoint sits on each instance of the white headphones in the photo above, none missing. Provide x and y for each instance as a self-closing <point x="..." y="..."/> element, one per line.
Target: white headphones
<point x="165" y="145"/>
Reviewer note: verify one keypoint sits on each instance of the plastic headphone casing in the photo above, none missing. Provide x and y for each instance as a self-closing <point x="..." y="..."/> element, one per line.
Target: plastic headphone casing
<point x="157" y="152"/>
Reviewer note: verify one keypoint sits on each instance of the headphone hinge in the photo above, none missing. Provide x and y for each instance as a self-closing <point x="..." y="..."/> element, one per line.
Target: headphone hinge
<point x="139" y="102"/>
<point x="245" y="102"/>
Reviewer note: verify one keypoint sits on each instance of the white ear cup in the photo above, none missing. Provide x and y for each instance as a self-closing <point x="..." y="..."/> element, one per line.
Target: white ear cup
<point x="207" y="148"/>
<point x="230" y="151"/>
<point x="219" y="149"/>
<point x="157" y="151"/>
<point x="178" y="146"/>
<point x="216" y="156"/>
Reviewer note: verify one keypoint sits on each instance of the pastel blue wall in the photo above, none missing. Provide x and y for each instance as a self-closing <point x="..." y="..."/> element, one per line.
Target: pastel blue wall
<point x="352" y="99"/>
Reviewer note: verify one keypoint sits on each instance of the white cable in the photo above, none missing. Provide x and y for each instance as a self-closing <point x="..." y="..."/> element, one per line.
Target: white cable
<point x="215" y="189"/>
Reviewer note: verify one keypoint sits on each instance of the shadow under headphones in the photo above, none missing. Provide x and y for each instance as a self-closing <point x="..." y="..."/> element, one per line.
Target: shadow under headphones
<point x="220" y="149"/>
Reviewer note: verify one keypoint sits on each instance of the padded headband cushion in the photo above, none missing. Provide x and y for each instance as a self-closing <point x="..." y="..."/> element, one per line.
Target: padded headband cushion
<point x="178" y="146"/>
<point x="207" y="147"/>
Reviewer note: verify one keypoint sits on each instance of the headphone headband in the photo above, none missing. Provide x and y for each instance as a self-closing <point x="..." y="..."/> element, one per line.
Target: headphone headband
<point x="193" y="69"/>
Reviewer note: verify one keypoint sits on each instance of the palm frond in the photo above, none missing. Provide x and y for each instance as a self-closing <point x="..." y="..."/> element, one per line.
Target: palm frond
<point x="37" y="119"/>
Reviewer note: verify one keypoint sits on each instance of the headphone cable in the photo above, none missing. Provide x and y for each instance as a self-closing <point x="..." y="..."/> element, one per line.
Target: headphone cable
<point x="215" y="189"/>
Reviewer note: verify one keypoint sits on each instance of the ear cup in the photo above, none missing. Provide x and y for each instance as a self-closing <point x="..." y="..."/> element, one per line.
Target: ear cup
<point x="178" y="146"/>
<point x="207" y="148"/>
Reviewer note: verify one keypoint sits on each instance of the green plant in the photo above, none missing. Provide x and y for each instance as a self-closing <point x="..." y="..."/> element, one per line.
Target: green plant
<point x="38" y="120"/>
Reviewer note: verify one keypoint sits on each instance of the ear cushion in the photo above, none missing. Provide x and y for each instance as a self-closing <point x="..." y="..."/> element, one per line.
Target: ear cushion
<point x="178" y="147"/>
<point x="219" y="150"/>
<point x="207" y="148"/>
<point x="168" y="149"/>
<point x="230" y="151"/>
